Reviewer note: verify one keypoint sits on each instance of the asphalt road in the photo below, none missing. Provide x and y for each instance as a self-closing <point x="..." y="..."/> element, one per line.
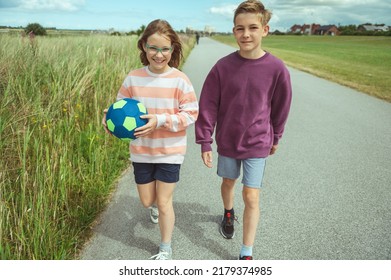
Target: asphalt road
<point x="327" y="191"/>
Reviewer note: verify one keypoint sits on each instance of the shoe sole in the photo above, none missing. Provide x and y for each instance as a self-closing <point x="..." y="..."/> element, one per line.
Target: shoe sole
<point x="222" y="233"/>
<point x="153" y="220"/>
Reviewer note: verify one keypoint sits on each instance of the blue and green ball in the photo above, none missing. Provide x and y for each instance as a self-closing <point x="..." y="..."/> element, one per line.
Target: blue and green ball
<point x="123" y="117"/>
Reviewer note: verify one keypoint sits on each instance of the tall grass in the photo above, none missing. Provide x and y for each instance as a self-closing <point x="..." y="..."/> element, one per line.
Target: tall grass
<point x="360" y="62"/>
<point x="57" y="166"/>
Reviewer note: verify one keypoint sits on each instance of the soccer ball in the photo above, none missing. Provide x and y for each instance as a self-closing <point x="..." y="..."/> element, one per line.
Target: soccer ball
<point x="123" y="117"/>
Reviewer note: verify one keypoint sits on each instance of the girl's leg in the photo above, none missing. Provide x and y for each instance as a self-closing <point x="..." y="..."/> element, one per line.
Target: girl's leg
<point x="164" y="194"/>
<point x="251" y="214"/>
<point x="147" y="193"/>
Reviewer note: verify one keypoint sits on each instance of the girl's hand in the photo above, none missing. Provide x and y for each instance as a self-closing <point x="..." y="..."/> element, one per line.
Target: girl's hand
<point x="104" y="121"/>
<point x="148" y="128"/>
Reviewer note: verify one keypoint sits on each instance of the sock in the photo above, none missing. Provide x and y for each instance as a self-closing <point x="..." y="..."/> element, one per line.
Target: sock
<point x="165" y="246"/>
<point x="246" y="251"/>
<point x="229" y="211"/>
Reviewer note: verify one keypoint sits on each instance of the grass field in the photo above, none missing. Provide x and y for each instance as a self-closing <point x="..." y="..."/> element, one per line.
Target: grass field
<point x="57" y="166"/>
<point x="360" y="62"/>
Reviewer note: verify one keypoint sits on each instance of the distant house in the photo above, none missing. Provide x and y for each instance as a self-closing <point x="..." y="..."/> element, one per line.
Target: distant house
<point x="331" y="30"/>
<point x="303" y="29"/>
<point x="314" y="29"/>
<point x="371" y="27"/>
<point x="296" y="29"/>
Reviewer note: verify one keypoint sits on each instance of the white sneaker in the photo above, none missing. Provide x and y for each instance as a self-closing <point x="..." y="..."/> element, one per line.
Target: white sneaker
<point x="154" y="214"/>
<point x="162" y="255"/>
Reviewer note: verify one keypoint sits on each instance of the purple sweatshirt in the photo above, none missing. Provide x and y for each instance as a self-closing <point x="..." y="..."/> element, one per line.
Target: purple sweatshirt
<point x="248" y="101"/>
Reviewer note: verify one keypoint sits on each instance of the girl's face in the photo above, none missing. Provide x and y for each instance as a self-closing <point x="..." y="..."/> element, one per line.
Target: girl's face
<point x="158" y="49"/>
<point x="249" y="32"/>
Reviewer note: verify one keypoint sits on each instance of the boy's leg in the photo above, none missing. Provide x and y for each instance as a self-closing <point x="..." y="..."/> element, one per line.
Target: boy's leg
<point x="251" y="214"/>
<point x="227" y="193"/>
<point x="253" y="170"/>
<point x="227" y="229"/>
<point x="229" y="170"/>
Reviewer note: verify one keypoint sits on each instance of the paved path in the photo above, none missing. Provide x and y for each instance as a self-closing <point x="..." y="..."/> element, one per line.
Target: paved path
<point x="327" y="191"/>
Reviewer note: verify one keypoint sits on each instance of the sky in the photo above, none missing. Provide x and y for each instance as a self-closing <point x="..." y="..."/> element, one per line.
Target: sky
<point x="128" y="15"/>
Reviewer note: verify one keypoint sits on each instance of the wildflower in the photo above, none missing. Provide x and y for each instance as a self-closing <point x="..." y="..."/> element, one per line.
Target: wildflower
<point x="31" y="35"/>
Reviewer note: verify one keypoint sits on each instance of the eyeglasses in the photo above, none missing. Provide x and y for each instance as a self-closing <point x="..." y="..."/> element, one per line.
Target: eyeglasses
<point x="152" y="50"/>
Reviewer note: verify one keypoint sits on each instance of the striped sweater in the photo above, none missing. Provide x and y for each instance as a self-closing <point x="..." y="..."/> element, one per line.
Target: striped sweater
<point x="171" y="97"/>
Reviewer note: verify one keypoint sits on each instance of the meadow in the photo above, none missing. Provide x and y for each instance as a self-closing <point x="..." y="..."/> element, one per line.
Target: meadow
<point x="359" y="62"/>
<point x="57" y="166"/>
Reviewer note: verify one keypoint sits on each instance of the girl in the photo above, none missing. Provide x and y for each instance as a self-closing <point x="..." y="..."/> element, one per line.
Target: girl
<point x="159" y="149"/>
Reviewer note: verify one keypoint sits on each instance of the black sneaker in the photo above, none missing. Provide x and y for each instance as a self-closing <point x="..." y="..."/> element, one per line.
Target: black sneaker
<point x="248" y="258"/>
<point x="227" y="226"/>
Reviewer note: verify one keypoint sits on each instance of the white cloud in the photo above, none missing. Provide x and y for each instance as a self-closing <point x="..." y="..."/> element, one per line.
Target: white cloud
<point x="224" y="10"/>
<point x="334" y="3"/>
<point x="61" y="5"/>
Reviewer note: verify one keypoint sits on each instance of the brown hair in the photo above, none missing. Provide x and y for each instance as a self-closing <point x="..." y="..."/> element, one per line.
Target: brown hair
<point x="161" y="27"/>
<point x="254" y="7"/>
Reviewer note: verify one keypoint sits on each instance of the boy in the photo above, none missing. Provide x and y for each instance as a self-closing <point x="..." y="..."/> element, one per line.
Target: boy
<point x="247" y="96"/>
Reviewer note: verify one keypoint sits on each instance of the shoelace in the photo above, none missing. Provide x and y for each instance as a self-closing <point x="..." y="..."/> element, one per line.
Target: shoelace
<point x="229" y="217"/>
<point x="162" y="255"/>
<point x="154" y="211"/>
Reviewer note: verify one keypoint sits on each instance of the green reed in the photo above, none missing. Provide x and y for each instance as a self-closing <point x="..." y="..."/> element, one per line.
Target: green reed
<point x="57" y="166"/>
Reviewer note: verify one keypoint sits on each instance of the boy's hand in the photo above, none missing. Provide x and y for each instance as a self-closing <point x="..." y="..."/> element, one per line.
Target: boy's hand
<point x="207" y="157"/>
<point x="273" y="149"/>
<point x="148" y="128"/>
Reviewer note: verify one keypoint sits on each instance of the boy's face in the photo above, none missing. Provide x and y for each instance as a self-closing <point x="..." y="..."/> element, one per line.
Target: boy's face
<point x="248" y="32"/>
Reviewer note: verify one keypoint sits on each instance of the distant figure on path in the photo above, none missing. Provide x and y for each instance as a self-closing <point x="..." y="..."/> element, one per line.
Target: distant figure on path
<point x="246" y="97"/>
<point x="159" y="150"/>
<point x="197" y="37"/>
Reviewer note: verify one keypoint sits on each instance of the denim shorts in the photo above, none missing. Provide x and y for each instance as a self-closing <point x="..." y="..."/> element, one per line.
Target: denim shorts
<point x="253" y="170"/>
<point x="145" y="173"/>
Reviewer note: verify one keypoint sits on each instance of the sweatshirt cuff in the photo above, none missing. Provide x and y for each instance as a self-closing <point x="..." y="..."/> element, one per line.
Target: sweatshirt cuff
<point x="161" y="120"/>
<point x="206" y="147"/>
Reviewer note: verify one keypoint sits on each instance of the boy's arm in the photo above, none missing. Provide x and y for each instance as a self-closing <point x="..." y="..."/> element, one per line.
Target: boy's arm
<point x="280" y="105"/>
<point x="209" y="103"/>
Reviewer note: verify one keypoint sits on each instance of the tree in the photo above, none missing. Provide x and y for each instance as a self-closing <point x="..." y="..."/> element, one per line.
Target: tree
<point x="36" y="28"/>
<point x="140" y="30"/>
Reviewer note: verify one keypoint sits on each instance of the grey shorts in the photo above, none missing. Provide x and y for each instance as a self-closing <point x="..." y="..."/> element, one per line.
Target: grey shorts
<point x="253" y="170"/>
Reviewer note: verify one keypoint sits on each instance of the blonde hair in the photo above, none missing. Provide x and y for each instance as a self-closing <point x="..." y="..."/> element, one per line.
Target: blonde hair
<point x="254" y="7"/>
<point x="161" y="27"/>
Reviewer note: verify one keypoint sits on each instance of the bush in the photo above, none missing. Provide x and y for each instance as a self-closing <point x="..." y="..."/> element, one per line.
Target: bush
<point x="36" y="28"/>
